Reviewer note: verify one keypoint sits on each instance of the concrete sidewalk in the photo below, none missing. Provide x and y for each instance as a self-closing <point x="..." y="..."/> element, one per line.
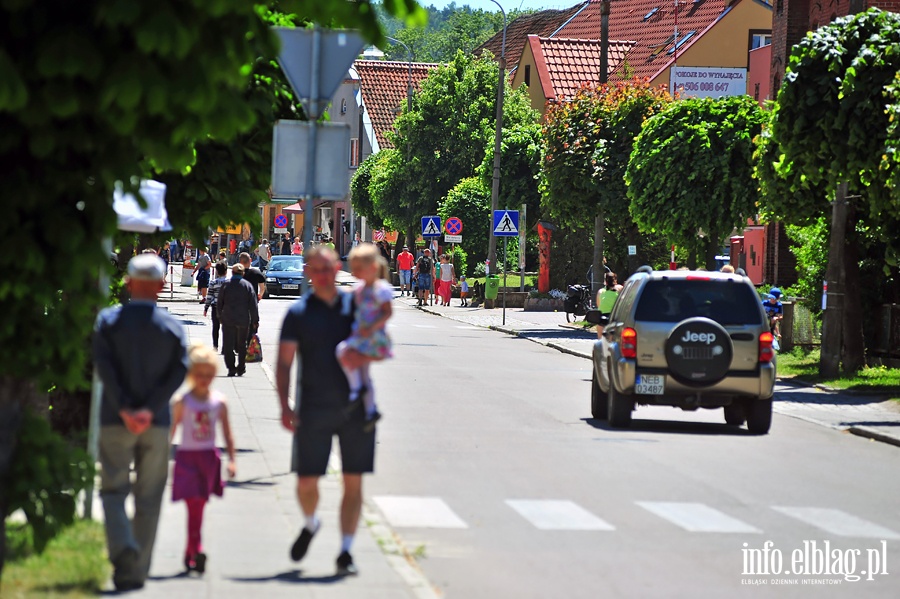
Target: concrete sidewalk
<point x="872" y="417"/>
<point x="248" y="533"/>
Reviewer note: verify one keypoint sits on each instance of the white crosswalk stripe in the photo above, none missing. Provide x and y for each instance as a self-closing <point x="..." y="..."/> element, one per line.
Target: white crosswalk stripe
<point x="696" y="517"/>
<point x="551" y="514"/>
<point x="425" y="326"/>
<point x="418" y="512"/>
<point x="838" y="522"/>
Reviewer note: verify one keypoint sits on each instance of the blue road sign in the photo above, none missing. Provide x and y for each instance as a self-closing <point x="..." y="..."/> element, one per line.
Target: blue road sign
<point x="506" y="223"/>
<point x="431" y="226"/>
<point x="281" y="221"/>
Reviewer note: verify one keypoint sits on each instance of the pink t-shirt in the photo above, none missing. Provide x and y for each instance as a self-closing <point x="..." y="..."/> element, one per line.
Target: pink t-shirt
<point x="198" y="421"/>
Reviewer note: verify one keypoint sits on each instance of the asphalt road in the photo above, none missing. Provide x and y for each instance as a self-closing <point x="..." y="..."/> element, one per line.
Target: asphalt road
<point x="492" y="473"/>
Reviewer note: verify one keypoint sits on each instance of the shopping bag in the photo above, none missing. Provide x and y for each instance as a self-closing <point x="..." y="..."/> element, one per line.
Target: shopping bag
<point x="254" y="350"/>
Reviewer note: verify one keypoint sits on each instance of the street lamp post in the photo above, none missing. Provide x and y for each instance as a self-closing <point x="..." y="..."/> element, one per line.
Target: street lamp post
<point x="495" y="184"/>
<point x="409" y="86"/>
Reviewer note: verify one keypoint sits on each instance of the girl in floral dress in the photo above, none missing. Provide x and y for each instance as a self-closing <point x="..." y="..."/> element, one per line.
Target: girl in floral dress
<point x="373" y="298"/>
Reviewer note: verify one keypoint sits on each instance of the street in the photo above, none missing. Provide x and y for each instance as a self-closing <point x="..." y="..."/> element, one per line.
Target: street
<point x="480" y="420"/>
<point x="496" y="482"/>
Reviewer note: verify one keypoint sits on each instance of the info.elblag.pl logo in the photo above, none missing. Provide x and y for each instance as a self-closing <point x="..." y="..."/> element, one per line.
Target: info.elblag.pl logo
<point x="814" y="562"/>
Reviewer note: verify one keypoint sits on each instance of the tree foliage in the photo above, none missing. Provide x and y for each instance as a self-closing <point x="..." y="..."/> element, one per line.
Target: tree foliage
<point x="520" y="170"/>
<point x="470" y="201"/>
<point x="450" y="29"/>
<point x="102" y="91"/>
<point x="830" y="125"/>
<point x="446" y="135"/>
<point x="587" y="145"/>
<point x="692" y="169"/>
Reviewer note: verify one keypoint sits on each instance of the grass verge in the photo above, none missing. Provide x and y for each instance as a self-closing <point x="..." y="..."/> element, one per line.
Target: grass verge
<point x="804" y="366"/>
<point x="74" y="564"/>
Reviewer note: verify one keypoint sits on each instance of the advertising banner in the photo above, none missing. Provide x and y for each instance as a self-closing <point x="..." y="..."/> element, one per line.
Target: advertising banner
<point x="708" y="82"/>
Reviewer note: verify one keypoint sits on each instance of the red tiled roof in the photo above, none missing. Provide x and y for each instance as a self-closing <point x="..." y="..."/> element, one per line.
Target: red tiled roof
<point x="569" y="64"/>
<point x="542" y="23"/>
<point x="651" y="24"/>
<point x="383" y="84"/>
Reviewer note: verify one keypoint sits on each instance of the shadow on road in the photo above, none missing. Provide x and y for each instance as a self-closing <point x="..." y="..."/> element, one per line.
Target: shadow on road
<point x="677" y="427"/>
<point x="792" y="393"/>
<point x="295" y="576"/>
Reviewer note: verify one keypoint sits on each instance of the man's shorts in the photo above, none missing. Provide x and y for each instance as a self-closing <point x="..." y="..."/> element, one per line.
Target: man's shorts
<point x="424" y="282"/>
<point x="203" y="279"/>
<point x="405" y="277"/>
<point x="312" y="443"/>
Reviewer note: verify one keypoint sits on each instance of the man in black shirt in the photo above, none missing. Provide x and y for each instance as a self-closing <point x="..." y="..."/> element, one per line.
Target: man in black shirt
<point x="253" y="275"/>
<point x="312" y="329"/>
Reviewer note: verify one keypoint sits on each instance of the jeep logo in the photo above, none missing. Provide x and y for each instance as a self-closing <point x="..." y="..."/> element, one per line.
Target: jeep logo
<point x="707" y="338"/>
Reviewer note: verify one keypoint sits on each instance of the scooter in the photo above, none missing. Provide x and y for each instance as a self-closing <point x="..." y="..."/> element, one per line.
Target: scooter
<point x="578" y="301"/>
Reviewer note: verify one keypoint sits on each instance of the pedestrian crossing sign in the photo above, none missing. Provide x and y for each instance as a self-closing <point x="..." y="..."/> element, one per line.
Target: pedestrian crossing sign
<point x="431" y="226"/>
<point x="506" y="223"/>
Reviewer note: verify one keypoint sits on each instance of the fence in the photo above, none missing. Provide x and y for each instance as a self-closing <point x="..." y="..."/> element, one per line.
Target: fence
<point x="887" y="333"/>
<point x="799" y="327"/>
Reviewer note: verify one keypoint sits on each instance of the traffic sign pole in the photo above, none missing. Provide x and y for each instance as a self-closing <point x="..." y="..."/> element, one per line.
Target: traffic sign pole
<point x="505" y="268"/>
<point x="312" y="113"/>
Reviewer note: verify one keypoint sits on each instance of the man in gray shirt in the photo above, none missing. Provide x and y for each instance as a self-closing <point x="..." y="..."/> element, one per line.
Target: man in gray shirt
<point x="140" y="352"/>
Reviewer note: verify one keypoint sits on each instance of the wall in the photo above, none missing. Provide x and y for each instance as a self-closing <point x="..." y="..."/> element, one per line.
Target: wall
<point x="759" y="78"/>
<point x="727" y="42"/>
<point x="535" y="91"/>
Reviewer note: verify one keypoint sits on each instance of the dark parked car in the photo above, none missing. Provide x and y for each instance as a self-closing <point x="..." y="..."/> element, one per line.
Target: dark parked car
<point x="284" y="275"/>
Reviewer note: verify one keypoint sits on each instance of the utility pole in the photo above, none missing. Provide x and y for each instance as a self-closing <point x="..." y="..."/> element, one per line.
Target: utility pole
<point x="835" y="275"/>
<point x="600" y="219"/>
<point x="495" y="183"/>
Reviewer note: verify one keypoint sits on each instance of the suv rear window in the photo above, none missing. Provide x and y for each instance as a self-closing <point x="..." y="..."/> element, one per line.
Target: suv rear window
<point x="728" y="303"/>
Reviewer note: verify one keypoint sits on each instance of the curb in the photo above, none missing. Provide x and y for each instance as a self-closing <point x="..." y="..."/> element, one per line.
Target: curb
<point x="870" y="433"/>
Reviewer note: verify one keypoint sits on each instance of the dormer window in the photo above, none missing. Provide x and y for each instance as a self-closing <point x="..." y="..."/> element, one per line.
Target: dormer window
<point x="680" y="42"/>
<point x="651" y="13"/>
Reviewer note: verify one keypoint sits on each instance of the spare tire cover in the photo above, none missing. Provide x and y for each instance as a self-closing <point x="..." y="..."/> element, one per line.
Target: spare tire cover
<point x="698" y="351"/>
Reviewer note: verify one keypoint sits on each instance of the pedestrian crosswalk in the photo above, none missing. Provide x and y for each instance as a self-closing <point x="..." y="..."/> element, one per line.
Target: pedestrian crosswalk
<point x="693" y="517"/>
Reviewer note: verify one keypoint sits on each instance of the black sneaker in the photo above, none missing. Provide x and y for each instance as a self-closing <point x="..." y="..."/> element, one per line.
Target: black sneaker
<point x="345" y="565"/>
<point x="200" y="563"/>
<point x="301" y="545"/>
<point x="232" y="372"/>
<point x="126" y="576"/>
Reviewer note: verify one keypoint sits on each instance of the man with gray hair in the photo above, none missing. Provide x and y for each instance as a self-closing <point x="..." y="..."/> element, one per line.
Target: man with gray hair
<point x="140" y="352"/>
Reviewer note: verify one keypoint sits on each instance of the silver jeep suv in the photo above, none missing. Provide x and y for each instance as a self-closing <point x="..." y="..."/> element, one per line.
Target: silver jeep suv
<point x="685" y="339"/>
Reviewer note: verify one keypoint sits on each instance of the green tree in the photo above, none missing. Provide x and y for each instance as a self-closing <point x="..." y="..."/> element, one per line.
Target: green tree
<point x="691" y="173"/>
<point x="445" y="136"/>
<point x="829" y="137"/>
<point x="470" y="201"/>
<point x="360" y="194"/>
<point x="102" y="91"/>
<point x="587" y="144"/>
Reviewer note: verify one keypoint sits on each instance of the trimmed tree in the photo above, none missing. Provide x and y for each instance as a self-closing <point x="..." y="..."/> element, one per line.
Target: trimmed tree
<point x="690" y="176"/>
<point x="587" y="144"/>
<point x="831" y="137"/>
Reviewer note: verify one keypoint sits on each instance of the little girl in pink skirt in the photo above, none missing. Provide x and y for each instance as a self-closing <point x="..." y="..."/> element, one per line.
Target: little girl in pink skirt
<point x="198" y="467"/>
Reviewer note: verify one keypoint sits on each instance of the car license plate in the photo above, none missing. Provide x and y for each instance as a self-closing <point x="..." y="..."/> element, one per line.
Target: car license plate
<point x="650" y="384"/>
<point x="290" y="286"/>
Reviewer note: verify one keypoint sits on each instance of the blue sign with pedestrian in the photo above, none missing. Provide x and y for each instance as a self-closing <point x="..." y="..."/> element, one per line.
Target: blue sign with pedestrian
<point x="506" y="223"/>
<point x="431" y="226"/>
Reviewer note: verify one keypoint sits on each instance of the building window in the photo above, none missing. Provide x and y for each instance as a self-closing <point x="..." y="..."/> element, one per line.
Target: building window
<point x="354" y="151"/>
<point x="758" y="40"/>
<point x="528" y="75"/>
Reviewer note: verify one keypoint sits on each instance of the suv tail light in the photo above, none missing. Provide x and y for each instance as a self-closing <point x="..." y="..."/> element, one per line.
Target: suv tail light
<point x="629" y="343"/>
<point x="765" y="347"/>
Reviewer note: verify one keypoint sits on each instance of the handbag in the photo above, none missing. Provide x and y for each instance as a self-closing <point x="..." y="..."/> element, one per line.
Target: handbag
<point x="254" y="350"/>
